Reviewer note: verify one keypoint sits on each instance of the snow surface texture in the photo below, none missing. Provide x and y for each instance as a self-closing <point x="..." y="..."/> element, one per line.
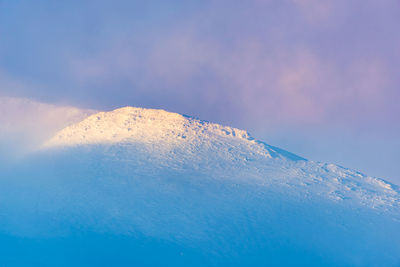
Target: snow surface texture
<point x="175" y="139"/>
<point x="143" y="187"/>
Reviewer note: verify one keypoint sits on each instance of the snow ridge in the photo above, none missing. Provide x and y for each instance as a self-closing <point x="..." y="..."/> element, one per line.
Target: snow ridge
<point x="134" y="124"/>
<point x="178" y="142"/>
<point x="153" y="127"/>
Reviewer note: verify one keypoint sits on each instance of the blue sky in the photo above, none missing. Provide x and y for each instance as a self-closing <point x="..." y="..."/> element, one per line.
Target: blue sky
<point x="319" y="78"/>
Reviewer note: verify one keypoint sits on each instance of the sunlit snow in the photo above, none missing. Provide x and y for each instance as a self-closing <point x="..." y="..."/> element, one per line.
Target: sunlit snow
<point x="148" y="187"/>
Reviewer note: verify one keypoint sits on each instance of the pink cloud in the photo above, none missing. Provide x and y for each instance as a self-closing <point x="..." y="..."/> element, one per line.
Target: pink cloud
<point x="264" y="76"/>
<point x="280" y="83"/>
<point x="317" y="11"/>
<point x="32" y="122"/>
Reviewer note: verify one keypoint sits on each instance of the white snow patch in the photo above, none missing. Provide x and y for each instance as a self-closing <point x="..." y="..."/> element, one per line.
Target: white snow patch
<point x="180" y="142"/>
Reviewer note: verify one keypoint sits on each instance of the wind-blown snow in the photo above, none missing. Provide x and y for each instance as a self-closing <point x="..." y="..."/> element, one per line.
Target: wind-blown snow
<point x="144" y="187"/>
<point x="25" y="115"/>
<point x="25" y="124"/>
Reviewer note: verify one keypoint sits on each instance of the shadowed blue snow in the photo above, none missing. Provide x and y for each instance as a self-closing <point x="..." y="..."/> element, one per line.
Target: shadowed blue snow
<point x="94" y="210"/>
<point x="211" y="198"/>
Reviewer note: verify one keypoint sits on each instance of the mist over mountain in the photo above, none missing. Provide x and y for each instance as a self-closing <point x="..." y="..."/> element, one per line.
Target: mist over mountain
<point x="25" y="123"/>
<point x="149" y="187"/>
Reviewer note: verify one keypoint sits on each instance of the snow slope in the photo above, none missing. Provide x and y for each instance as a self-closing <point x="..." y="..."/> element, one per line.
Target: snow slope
<point x="177" y="142"/>
<point x="143" y="187"/>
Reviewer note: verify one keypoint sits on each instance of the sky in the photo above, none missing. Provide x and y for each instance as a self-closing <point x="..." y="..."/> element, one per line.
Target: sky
<point x="318" y="78"/>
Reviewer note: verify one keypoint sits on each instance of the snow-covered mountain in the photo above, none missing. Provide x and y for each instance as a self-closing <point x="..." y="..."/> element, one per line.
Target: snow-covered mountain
<point x="179" y="142"/>
<point x="153" y="188"/>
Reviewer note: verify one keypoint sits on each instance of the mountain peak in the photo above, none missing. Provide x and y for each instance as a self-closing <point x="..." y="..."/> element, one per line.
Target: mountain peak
<point x="157" y="128"/>
<point x="139" y="124"/>
<point x="152" y="138"/>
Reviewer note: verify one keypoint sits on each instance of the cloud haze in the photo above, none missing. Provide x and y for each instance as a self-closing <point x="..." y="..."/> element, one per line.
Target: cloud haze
<point x="301" y="65"/>
<point x="25" y="124"/>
